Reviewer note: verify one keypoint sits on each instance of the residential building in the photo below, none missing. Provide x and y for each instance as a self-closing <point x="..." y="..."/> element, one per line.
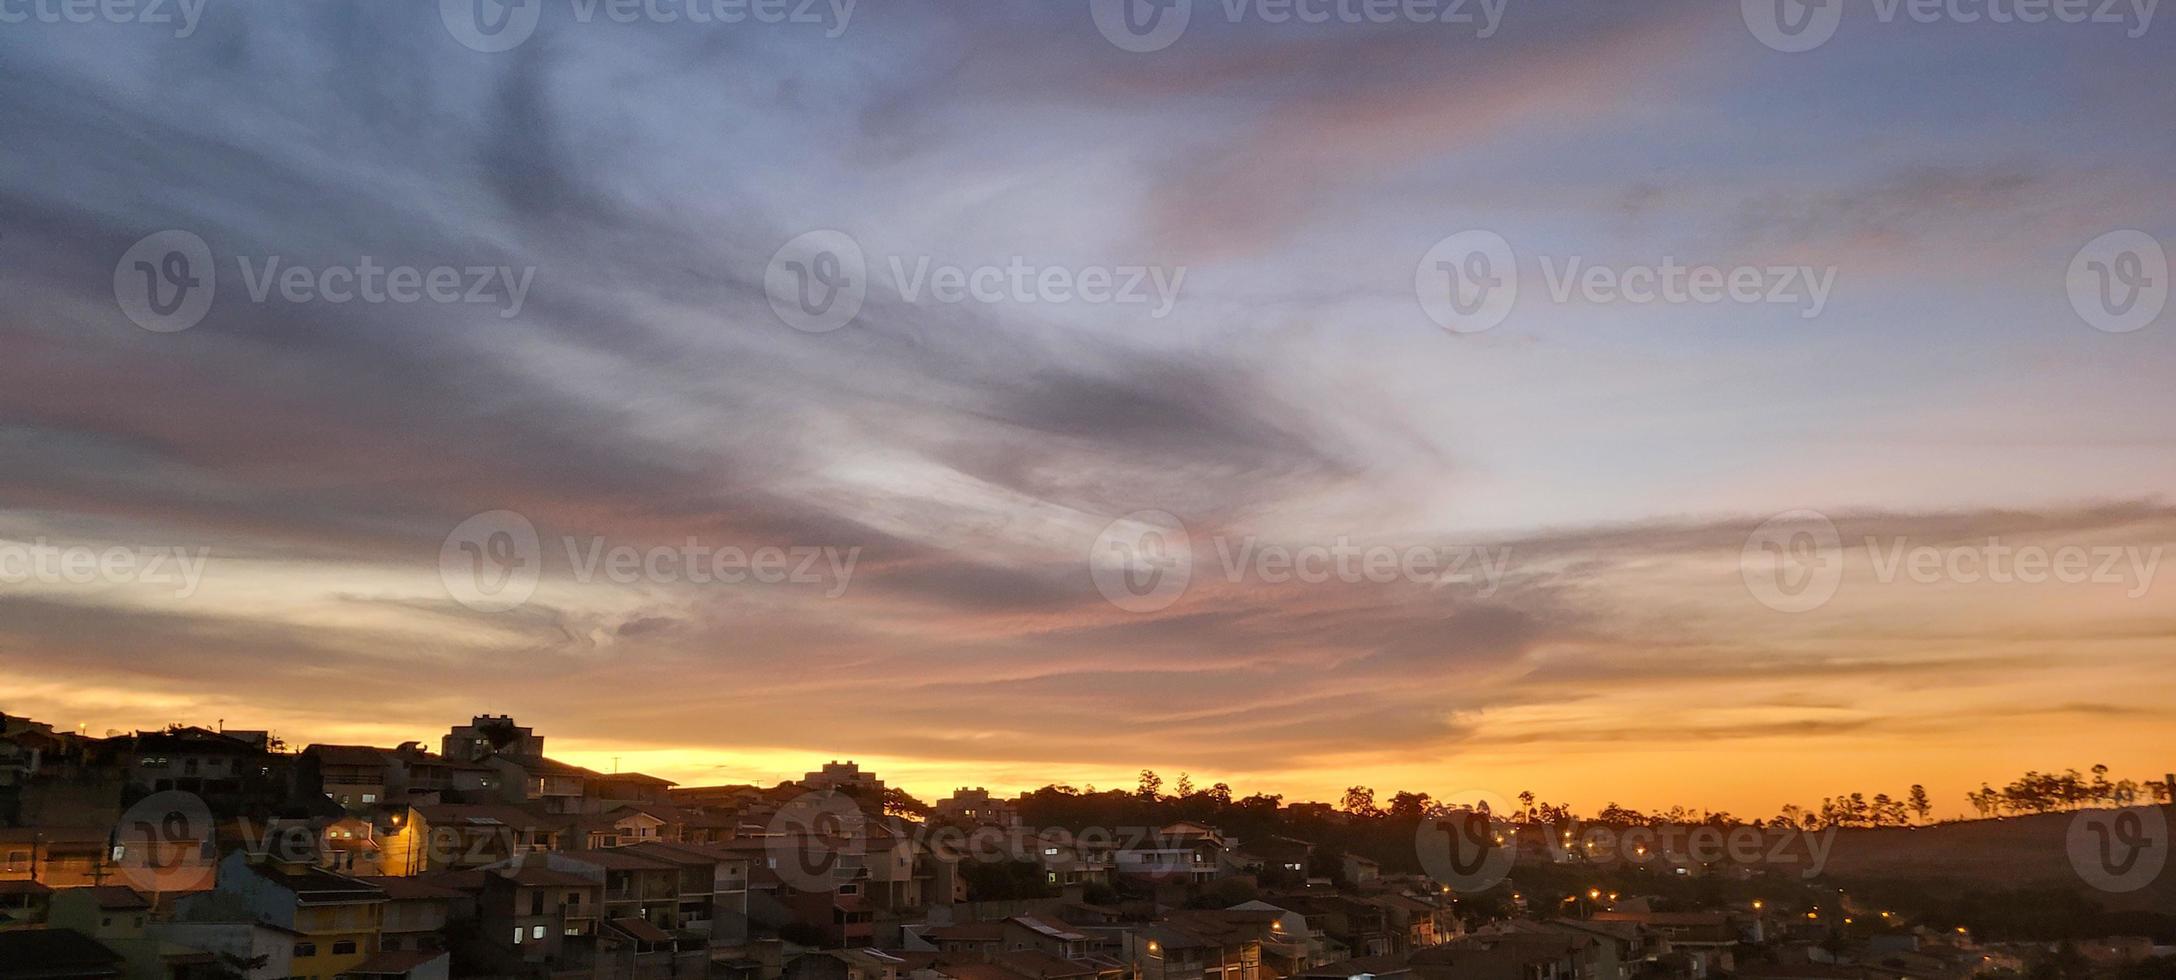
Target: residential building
<point x="335" y="919"/>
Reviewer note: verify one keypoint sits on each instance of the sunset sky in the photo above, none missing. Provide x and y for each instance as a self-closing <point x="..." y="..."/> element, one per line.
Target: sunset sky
<point x="1296" y="393"/>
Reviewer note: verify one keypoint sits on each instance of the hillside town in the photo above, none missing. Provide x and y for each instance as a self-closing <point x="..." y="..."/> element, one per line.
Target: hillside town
<point x="193" y="853"/>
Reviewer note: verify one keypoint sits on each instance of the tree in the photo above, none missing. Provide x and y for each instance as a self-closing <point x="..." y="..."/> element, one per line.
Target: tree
<point x="1919" y="803"/>
<point x="1185" y="786"/>
<point x="1359" y="801"/>
<point x="1151" y="787"/>
<point x="1408" y="806"/>
<point x="900" y="803"/>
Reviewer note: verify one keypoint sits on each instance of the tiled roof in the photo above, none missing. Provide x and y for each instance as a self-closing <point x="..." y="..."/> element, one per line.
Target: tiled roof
<point x="408" y="889"/>
<point x="393" y="963"/>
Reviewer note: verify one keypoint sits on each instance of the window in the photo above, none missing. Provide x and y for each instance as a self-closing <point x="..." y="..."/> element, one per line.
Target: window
<point x="343" y="947"/>
<point x="370" y="797"/>
<point x="18" y="860"/>
<point x="536" y="932"/>
<point x="303" y="950"/>
<point x="188" y="767"/>
<point x="517" y="935"/>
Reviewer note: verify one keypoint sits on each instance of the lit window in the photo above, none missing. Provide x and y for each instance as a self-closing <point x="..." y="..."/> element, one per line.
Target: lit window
<point x="536" y="932"/>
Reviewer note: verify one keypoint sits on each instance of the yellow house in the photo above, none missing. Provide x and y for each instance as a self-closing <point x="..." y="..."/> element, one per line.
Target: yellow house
<point x="335" y="919"/>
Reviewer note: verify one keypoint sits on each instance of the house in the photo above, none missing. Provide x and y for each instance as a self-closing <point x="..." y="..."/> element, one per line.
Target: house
<point x="453" y="836"/>
<point x="1364" y="968"/>
<point x="1274" y="858"/>
<point x="416" y="913"/>
<point x="1190" y="947"/>
<point x="845" y="776"/>
<point x="1022" y="932"/>
<point x="846" y="964"/>
<point x="228" y="940"/>
<point x="488" y="735"/>
<point x="975" y="808"/>
<point x="1360" y="871"/>
<point x="1705" y="940"/>
<point x="335" y="919"/>
<point x="981" y="940"/>
<point x="1477" y="958"/>
<point x="1068" y="861"/>
<point x="23" y="904"/>
<point x="1186" y="852"/>
<point x="636" y="887"/>
<point x="350" y="775"/>
<point x="403" y="964"/>
<point x="55" y="954"/>
<point x="193" y="760"/>
<point x="539" y="915"/>
<point x="118" y="918"/>
<point x="721" y="905"/>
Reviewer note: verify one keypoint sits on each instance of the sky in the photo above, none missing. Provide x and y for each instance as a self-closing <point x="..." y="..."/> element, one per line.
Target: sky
<point x="1221" y="310"/>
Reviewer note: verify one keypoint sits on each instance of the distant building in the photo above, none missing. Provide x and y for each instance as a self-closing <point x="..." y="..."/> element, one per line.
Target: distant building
<point x="975" y="807"/>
